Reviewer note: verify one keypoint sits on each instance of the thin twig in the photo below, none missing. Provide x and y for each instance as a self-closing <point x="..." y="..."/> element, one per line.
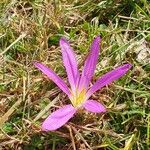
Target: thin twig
<point x="81" y="137"/>
<point x="71" y="135"/>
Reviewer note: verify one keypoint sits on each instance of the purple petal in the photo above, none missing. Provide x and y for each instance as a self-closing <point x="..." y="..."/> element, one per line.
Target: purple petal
<point x="54" y="77"/>
<point x="70" y="63"/>
<point x="58" y="118"/>
<point x="82" y="82"/>
<point x="94" y="106"/>
<point x="90" y="63"/>
<point x="108" y="78"/>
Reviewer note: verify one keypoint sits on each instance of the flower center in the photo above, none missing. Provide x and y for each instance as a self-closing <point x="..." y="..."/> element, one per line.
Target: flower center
<point x="78" y="98"/>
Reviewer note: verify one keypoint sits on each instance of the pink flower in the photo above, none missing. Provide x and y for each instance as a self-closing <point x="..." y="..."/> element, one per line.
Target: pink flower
<point x="79" y="91"/>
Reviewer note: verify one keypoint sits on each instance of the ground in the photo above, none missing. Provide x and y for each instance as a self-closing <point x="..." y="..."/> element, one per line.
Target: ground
<point x="30" y="30"/>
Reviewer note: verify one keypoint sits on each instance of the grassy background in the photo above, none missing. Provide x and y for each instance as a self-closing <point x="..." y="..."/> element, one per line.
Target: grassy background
<point x="30" y="30"/>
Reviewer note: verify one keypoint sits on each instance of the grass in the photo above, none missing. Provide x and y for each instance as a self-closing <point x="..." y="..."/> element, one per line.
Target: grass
<point x="30" y="30"/>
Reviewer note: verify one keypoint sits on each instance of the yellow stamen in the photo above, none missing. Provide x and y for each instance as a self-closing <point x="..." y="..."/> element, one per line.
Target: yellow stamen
<point x="78" y="98"/>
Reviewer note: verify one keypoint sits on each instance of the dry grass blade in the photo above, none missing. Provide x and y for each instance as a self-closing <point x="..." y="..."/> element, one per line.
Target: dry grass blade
<point x="129" y="143"/>
<point x="6" y="116"/>
<point x="12" y="44"/>
<point x="42" y="112"/>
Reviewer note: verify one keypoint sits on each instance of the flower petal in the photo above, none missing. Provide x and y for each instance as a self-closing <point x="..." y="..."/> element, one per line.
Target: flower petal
<point x="108" y="78"/>
<point x="94" y="106"/>
<point x="70" y="63"/>
<point x="90" y="63"/>
<point x="54" y="77"/>
<point x="82" y="84"/>
<point x="58" y="118"/>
